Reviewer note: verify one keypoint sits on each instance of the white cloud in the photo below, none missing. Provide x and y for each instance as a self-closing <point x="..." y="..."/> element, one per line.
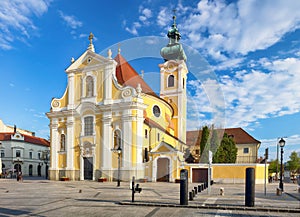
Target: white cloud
<point x="163" y="18"/>
<point x="70" y="20"/>
<point x="241" y="27"/>
<point x="16" y="20"/>
<point x="134" y="28"/>
<point x="252" y="95"/>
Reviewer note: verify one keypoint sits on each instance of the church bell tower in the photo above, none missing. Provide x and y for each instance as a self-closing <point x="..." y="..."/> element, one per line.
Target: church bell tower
<point x="173" y="76"/>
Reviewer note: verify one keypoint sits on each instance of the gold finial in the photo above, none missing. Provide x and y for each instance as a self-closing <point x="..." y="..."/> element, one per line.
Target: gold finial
<point x="119" y="48"/>
<point x="91" y="36"/>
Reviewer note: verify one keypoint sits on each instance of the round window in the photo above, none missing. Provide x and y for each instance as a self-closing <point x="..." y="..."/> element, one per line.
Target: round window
<point x="156" y="111"/>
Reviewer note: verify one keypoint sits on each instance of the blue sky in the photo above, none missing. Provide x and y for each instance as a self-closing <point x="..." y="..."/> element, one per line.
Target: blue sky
<point x="252" y="48"/>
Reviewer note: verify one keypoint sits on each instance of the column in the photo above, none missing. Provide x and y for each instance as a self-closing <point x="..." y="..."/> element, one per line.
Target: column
<point x="70" y="143"/>
<point x="55" y="140"/>
<point x="110" y="68"/>
<point x="127" y="139"/>
<point x="106" y="141"/>
<point x="71" y="85"/>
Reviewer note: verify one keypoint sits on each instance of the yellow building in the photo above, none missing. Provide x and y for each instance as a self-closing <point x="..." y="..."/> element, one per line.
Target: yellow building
<point x="246" y="144"/>
<point x="109" y="117"/>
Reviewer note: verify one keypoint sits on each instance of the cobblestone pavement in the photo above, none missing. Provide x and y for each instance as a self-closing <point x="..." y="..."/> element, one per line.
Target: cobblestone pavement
<point x="88" y="198"/>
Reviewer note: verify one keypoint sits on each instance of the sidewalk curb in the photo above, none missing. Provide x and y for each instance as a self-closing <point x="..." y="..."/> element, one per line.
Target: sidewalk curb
<point x="216" y="206"/>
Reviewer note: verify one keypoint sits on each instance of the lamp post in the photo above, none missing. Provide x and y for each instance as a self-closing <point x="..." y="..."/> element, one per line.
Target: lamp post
<point x="46" y="159"/>
<point x="119" y="152"/>
<point x="281" y="143"/>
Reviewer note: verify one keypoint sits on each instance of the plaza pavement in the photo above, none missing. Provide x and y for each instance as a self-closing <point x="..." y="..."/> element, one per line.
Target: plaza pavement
<point x="52" y="198"/>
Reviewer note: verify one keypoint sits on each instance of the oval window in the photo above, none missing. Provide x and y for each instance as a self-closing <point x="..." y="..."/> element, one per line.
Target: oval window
<point x="156" y="111"/>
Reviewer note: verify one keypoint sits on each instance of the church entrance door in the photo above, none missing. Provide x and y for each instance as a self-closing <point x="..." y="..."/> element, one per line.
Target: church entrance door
<point x="88" y="168"/>
<point x="163" y="173"/>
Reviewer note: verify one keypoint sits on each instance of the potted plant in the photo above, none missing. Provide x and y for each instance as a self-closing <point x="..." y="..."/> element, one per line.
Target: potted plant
<point x="64" y="178"/>
<point x="102" y="179"/>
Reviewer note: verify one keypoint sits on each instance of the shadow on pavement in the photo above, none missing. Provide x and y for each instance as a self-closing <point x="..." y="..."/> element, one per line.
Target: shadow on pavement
<point x="12" y="212"/>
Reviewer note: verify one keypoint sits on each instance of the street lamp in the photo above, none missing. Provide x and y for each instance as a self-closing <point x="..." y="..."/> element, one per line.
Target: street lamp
<point x="46" y="159"/>
<point x="119" y="152"/>
<point x="281" y="144"/>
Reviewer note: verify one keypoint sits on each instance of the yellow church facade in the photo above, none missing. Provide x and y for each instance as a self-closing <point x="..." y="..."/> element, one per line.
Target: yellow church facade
<point x="110" y="120"/>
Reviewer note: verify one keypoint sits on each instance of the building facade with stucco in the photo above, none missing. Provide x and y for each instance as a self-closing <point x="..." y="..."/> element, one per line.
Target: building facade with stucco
<point x="110" y="120"/>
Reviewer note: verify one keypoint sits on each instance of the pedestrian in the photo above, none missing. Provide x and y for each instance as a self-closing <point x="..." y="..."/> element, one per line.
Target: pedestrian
<point x="21" y="177"/>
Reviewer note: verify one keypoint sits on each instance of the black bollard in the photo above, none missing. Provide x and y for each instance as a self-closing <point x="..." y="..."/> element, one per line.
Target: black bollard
<point x="250" y="187"/>
<point x="196" y="190"/>
<point x="184" y="187"/>
<point x="191" y="195"/>
<point x="199" y="188"/>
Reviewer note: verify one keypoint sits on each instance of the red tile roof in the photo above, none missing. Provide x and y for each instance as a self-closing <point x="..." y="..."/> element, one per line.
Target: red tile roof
<point x="127" y="76"/>
<point x="29" y="139"/>
<point x="153" y="124"/>
<point x="240" y="136"/>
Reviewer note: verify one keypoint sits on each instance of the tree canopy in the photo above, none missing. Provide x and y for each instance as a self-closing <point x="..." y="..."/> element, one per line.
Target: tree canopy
<point x="226" y="152"/>
<point x="293" y="164"/>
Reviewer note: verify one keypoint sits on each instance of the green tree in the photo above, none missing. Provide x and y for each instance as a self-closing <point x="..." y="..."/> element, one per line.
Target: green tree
<point x="227" y="151"/>
<point x="204" y="144"/>
<point x="273" y="166"/>
<point x="294" y="163"/>
<point x="214" y="140"/>
<point x="204" y="138"/>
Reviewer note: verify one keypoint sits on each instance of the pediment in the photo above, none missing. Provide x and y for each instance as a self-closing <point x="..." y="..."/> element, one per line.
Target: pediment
<point x="164" y="147"/>
<point x="87" y="60"/>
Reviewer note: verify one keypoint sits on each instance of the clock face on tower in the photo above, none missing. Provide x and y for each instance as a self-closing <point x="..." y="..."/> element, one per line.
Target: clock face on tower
<point x="156" y="111"/>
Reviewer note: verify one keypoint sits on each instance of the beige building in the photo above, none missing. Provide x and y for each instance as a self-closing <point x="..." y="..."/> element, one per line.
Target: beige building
<point x="246" y="144"/>
<point x="21" y="150"/>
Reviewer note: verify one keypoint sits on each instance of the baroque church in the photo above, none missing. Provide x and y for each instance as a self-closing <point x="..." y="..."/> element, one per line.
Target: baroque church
<point x="110" y="124"/>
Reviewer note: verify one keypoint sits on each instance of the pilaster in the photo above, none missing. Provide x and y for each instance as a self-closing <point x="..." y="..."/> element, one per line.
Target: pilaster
<point x="71" y="85"/>
<point x="54" y="143"/>
<point x="106" y="141"/>
<point x="70" y="143"/>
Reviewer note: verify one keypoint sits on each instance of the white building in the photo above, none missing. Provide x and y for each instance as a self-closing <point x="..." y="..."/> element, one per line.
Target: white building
<point x="23" y="152"/>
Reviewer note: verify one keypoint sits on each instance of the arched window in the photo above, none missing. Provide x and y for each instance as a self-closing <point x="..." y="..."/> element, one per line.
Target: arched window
<point x="62" y="142"/>
<point x="117" y="139"/>
<point x="171" y="81"/>
<point x="88" y="126"/>
<point x="89" y="86"/>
